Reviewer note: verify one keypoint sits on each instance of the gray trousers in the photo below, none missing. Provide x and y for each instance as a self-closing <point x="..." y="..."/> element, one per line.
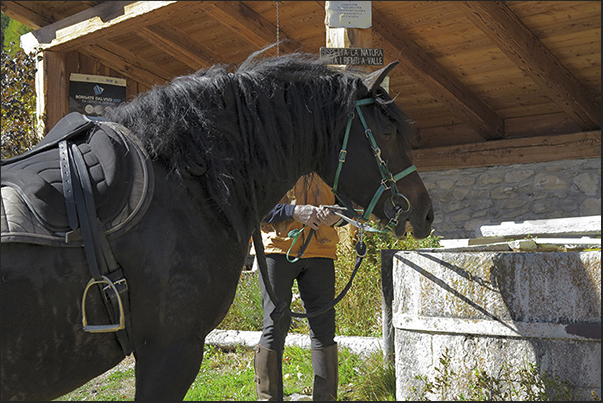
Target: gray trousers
<point x="316" y="282"/>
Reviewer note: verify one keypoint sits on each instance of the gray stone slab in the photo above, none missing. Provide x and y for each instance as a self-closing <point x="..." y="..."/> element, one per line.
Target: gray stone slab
<point x="574" y="226"/>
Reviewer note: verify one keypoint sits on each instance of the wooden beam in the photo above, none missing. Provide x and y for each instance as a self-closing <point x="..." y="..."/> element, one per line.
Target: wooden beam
<point x="98" y="23"/>
<point x="177" y="43"/>
<point x="427" y="72"/>
<point x="251" y="26"/>
<point x="126" y="63"/>
<point x="51" y="79"/>
<point x="510" y="34"/>
<point x="27" y="13"/>
<point x="509" y="152"/>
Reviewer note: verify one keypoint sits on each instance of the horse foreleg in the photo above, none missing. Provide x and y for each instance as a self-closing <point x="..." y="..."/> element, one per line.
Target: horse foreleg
<point x="166" y="373"/>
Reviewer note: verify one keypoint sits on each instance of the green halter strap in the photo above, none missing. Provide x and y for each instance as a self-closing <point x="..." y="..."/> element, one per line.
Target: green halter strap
<point x="388" y="181"/>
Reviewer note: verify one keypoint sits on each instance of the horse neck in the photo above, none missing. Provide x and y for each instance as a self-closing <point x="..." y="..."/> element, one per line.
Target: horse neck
<point x="302" y="150"/>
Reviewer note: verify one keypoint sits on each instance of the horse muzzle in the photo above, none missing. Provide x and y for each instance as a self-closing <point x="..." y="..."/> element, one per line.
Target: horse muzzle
<point x="397" y="209"/>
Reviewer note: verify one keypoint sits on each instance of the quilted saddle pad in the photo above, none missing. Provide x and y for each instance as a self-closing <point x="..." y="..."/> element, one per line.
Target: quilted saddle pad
<point x="33" y="205"/>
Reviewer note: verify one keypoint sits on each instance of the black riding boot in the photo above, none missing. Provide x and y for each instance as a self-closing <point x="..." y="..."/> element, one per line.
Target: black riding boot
<point x="265" y="363"/>
<point x="326" y="377"/>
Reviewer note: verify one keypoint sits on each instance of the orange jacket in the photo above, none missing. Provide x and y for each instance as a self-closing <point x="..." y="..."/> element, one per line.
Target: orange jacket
<point x="325" y="239"/>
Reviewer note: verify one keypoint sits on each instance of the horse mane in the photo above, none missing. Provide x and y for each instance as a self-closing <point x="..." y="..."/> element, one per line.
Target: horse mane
<point x="243" y="124"/>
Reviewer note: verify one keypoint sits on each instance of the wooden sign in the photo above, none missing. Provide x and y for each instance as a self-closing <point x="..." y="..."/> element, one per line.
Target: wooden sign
<point x="353" y="56"/>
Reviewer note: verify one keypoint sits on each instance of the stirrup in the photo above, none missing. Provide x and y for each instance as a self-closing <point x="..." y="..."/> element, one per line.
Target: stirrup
<point x="103" y="328"/>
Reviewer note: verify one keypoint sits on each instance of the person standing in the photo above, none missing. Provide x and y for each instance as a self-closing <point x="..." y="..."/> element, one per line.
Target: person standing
<point x="301" y="209"/>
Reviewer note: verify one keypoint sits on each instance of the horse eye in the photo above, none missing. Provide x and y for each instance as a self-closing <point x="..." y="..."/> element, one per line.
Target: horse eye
<point x="389" y="130"/>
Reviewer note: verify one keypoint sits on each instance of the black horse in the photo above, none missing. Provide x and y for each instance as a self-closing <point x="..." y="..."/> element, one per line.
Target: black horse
<point x="224" y="147"/>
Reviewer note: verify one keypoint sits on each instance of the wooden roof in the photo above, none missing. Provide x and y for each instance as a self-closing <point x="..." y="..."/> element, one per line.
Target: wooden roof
<point x="479" y="78"/>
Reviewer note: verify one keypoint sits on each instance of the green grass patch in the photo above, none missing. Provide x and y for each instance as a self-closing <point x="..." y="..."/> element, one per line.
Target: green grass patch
<point x="229" y="375"/>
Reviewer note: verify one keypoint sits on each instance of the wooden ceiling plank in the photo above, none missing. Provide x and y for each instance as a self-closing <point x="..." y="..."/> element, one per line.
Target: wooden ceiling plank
<point x="251" y="26"/>
<point x="160" y="75"/>
<point x="438" y="81"/>
<point x="516" y="40"/>
<point x="113" y="56"/>
<point x="31" y="16"/>
<point x="97" y="23"/>
<point x="177" y="43"/>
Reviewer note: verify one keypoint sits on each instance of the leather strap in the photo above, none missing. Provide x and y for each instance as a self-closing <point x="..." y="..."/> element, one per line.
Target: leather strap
<point x="79" y="197"/>
<point x="66" y="178"/>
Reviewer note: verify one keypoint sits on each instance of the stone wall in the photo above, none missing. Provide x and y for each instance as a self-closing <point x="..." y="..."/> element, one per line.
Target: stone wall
<point x="465" y="199"/>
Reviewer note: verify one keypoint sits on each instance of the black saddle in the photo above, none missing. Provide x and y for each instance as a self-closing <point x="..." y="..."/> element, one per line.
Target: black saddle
<point x="118" y="170"/>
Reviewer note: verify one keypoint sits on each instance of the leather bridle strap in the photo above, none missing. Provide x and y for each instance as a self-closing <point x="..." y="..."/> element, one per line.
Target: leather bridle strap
<point x="388" y="181"/>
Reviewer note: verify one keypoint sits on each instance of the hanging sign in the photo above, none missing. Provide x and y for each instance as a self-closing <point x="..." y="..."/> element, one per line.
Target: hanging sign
<point x="95" y="95"/>
<point x="353" y="56"/>
<point x="348" y="14"/>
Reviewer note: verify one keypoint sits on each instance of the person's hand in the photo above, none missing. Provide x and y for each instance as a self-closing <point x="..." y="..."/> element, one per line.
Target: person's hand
<point x="327" y="216"/>
<point x="314" y="216"/>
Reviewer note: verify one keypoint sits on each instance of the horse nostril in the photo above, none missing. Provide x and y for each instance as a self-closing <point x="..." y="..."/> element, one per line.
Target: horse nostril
<point x="430" y="216"/>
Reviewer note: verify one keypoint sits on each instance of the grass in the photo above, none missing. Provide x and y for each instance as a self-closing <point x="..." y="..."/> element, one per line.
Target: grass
<point x="229" y="375"/>
<point x="117" y="384"/>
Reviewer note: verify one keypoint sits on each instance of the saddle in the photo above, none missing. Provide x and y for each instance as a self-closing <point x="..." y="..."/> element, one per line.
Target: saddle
<point x="84" y="183"/>
<point x="34" y="207"/>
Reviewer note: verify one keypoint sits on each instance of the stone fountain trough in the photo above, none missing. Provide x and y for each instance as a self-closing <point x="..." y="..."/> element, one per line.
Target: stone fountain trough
<point x="494" y="306"/>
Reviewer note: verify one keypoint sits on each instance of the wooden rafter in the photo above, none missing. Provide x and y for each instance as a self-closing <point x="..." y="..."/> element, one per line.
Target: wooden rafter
<point x="251" y="26"/>
<point x="31" y="15"/>
<point x="126" y="63"/>
<point x="175" y="42"/>
<point x="105" y="20"/>
<point x="427" y="72"/>
<point x="511" y="35"/>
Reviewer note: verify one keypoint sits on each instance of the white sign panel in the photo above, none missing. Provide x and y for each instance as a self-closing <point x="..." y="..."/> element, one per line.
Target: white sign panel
<point x="348" y="14"/>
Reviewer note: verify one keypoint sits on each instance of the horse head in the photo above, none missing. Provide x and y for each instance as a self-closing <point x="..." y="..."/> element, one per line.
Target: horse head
<point x="374" y="168"/>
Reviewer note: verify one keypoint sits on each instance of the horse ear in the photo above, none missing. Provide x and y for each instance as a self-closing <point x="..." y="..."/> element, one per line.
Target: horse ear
<point x="374" y="80"/>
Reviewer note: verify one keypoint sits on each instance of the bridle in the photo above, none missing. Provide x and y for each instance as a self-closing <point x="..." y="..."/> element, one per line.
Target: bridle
<point x="397" y="207"/>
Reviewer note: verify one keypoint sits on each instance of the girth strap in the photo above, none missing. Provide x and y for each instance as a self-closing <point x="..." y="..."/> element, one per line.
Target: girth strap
<point x="105" y="270"/>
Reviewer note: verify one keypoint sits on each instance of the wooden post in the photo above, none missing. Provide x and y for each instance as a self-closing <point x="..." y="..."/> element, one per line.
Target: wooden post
<point x="52" y="90"/>
<point x="387" y="292"/>
<point x="348" y="37"/>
